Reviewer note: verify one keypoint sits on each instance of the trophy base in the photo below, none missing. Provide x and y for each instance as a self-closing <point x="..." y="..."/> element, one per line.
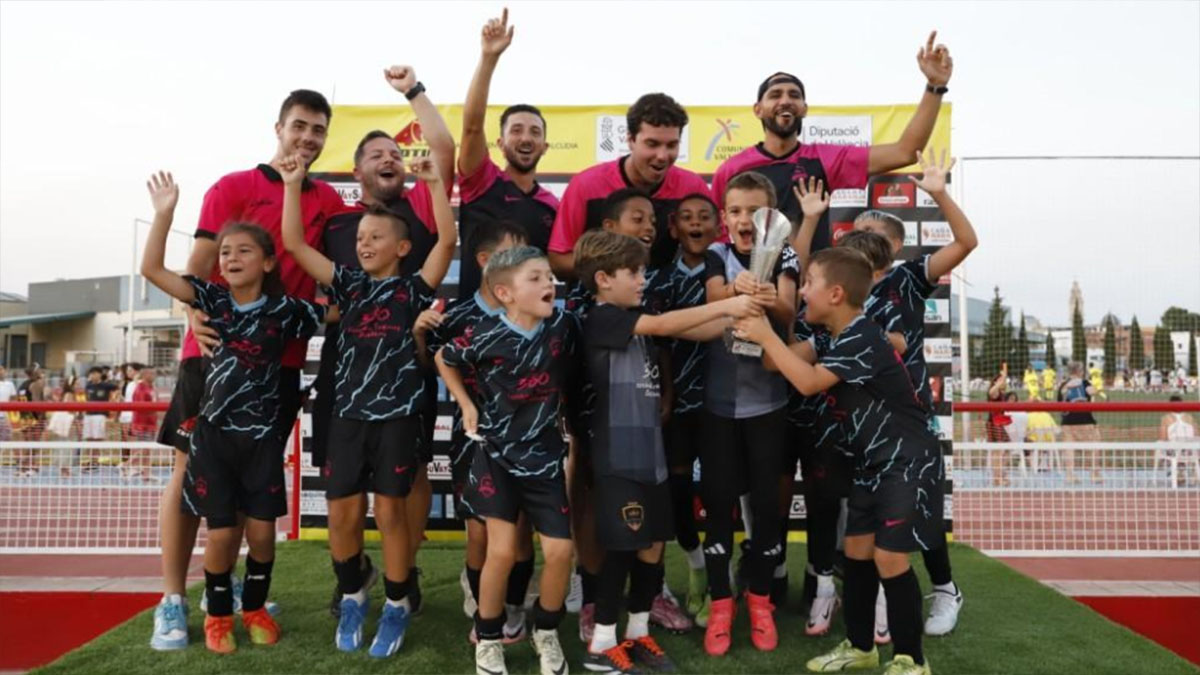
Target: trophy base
<point x="740" y="347"/>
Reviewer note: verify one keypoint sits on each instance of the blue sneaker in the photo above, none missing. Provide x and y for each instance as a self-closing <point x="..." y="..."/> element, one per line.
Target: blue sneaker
<point x="390" y="634"/>
<point x="170" y="624"/>
<point x="350" y="625"/>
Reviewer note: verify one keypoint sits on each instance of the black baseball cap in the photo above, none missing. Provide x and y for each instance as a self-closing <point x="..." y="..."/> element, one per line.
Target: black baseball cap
<point x="777" y="78"/>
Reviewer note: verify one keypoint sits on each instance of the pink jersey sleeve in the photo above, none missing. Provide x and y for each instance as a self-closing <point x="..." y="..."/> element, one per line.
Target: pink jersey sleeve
<point x="421" y="200"/>
<point x="222" y="204"/>
<point x="473" y="187"/>
<point x="720" y="178"/>
<point x="845" y="165"/>
<point x="571" y="219"/>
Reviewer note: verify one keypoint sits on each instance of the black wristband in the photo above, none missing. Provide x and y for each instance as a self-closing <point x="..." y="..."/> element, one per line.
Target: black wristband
<point x="417" y="90"/>
<point x="939" y="90"/>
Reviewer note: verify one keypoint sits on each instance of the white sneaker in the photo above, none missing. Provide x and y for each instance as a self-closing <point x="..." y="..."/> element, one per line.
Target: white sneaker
<point x="883" y="636"/>
<point x="514" y="625"/>
<point x="574" y="594"/>
<point x="489" y="658"/>
<point x="549" y="651"/>
<point x="469" y="606"/>
<point x="170" y="624"/>
<point x="943" y="612"/>
<point x="820" y="614"/>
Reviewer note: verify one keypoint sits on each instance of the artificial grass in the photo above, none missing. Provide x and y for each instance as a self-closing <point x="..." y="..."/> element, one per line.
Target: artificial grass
<point x="1009" y="624"/>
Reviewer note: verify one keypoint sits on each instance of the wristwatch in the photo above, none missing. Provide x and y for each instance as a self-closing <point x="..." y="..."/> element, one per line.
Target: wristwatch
<point x="417" y="90"/>
<point x="931" y="88"/>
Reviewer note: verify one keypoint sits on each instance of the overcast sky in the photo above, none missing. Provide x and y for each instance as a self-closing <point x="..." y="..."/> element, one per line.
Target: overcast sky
<point x="94" y="96"/>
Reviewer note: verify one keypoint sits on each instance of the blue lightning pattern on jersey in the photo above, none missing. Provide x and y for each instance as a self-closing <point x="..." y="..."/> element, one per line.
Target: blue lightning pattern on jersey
<point x="241" y="387"/>
<point x="377" y="375"/>
<point x="521" y="377"/>
<point x="674" y="288"/>
<point x="905" y="288"/>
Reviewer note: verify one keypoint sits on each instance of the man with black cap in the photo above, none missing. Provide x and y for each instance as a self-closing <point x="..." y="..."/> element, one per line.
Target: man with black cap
<point x="781" y="157"/>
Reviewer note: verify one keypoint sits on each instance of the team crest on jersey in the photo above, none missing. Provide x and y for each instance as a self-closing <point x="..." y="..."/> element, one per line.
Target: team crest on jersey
<point x="633" y="514"/>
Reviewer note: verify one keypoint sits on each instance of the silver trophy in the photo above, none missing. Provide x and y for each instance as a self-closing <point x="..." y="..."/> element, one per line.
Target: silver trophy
<point x="771" y="232"/>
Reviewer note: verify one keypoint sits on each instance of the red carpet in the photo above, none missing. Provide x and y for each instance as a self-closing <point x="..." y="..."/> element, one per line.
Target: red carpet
<point x="1169" y="621"/>
<point x="25" y="641"/>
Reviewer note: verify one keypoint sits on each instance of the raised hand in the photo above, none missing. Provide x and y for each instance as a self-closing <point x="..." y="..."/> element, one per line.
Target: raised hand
<point x="292" y="169"/>
<point x="935" y="62"/>
<point x="427" y="320"/>
<point x="164" y="193"/>
<point x="425" y="170"/>
<point x="813" y="198"/>
<point x="497" y="35"/>
<point x="934" y="172"/>
<point x="402" y="78"/>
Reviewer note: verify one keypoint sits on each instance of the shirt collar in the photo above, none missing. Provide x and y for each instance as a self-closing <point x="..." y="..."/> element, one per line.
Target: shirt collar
<point x="273" y="176"/>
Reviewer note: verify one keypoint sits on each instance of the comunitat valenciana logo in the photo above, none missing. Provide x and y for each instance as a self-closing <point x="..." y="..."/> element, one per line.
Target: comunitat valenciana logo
<point x="718" y="151"/>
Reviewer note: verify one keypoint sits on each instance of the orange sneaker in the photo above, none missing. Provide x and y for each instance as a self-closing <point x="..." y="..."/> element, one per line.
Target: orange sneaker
<point x="762" y="622"/>
<point x="261" y="626"/>
<point x="720" y="623"/>
<point x="218" y="634"/>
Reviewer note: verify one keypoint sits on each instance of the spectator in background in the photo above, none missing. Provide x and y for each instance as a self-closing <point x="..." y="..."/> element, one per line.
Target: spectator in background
<point x="1031" y="384"/>
<point x="144" y="425"/>
<point x="1155" y="380"/>
<point x="1078" y="426"/>
<point x="8" y="391"/>
<point x="95" y="424"/>
<point x="1178" y="427"/>
<point x="59" y="427"/>
<point x="997" y="426"/>
<point x="129" y="382"/>
<point x="1097" y="377"/>
<point x="1049" y="378"/>
<point x="33" y="424"/>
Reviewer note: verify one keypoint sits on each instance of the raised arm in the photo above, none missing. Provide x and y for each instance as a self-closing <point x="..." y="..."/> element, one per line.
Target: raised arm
<point x="310" y="259"/>
<point x="497" y="35"/>
<point x="814" y="201"/>
<point x="678" y="322"/>
<point x="438" y="261"/>
<point x="936" y="65"/>
<point x="805" y="377"/>
<point x="433" y="127"/>
<point x="164" y="195"/>
<point x="933" y="181"/>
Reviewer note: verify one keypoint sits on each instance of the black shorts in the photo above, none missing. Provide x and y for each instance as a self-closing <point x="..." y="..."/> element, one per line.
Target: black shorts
<point x="177" y="423"/>
<point x="683" y="436"/>
<point x="380" y="457"/>
<point x="460" y="477"/>
<point x="230" y="473"/>
<point x="904" y="515"/>
<point x="631" y="516"/>
<point x="428" y="414"/>
<point x="493" y="492"/>
<point x="826" y="471"/>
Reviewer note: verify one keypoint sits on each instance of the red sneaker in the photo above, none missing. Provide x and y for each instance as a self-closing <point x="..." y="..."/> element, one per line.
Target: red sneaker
<point x="762" y="622"/>
<point x="218" y="634"/>
<point x="261" y="626"/>
<point x="720" y="623"/>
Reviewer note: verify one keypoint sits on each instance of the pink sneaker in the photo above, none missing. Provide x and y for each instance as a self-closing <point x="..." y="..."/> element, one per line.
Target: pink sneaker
<point x="665" y="612"/>
<point x="587" y="622"/>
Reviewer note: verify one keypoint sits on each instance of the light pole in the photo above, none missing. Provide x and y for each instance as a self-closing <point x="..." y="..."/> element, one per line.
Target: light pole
<point x="133" y="268"/>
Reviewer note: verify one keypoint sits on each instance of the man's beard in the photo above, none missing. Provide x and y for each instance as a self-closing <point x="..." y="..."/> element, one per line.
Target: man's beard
<point x="382" y="194"/>
<point x="784" y="132"/>
<point x="514" y="160"/>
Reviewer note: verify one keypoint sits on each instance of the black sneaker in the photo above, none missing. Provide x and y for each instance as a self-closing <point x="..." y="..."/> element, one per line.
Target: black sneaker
<point x="646" y="652"/>
<point x="615" y="660"/>
<point x="414" y="591"/>
<point x="370" y="578"/>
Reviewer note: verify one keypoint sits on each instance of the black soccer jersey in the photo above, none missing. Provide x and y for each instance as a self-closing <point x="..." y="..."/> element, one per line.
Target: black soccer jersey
<point x="241" y="389"/>
<point x="415" y="207"/>
<point x="802" y="410"/>
<point x="460" y="322"/>
<point x="100" y="391"/>
<point x="872" y="413"/>
<point x="377" y="376"/>
<point x="623" y="367"/>
<point x="674" y="288"/>
<point x="521" y="377"/>
<point x="905" y="288"/>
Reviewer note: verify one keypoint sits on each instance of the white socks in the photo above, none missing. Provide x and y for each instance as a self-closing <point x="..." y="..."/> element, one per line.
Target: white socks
<point x="949" y="588"/>
<point x="360" y="597"/>
<point x="825" y="588"/>
<point x="604" y="637"/>
<point x="638" y="625"/>
<point x="695" y="558"/>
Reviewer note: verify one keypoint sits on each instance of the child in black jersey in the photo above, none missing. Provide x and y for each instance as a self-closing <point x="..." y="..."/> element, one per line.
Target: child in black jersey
<point x="432" y="331"/>
<point x="379" y="393"/>
<point x="631" y="496"/>
<point x="521" y="361"/>
<point x="234" y="473"/>
<point x="871" y="411"/>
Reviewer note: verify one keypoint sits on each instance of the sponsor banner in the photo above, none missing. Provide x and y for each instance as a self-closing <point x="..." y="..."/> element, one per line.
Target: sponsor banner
<point x="797" y="510"/>
<point x="837" y="130"/>
<point x="577" y="133"/>
<point x="945" y="424"/>
<point x="948" y="463"/>
<point x="443" y="428"/>
<point x="937" y="311"/>
<point x="948" y="509"/>
<point x="936" y="391"/>
<point x="313" y="353"/>
<point x="351" y="193"/>
<point x="893" y="195"/>
<point x="439" y="468"/>
<point x="312" y="503"/>
<point x="924" y="201"/>
<point x="839" y="230"/>
<point x="911" y="230"/>
<point x="849" y="199"/>
<point x="936" y="233"/>
<point x="937" y="350"/>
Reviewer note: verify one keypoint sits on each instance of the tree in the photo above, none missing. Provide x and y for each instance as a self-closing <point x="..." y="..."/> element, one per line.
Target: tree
<point x="1192" y="354"/>
<point x="1164" y="351"/>
<point x="1110" y="348"/>
<point x="1078" y="339"/>
<point x="1137" y="350"/>
<point x="997" y="339"/>
<point x="1179" y="319"/>
<point x="1051" y="356"/>
<point x="1020" y="358"/>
